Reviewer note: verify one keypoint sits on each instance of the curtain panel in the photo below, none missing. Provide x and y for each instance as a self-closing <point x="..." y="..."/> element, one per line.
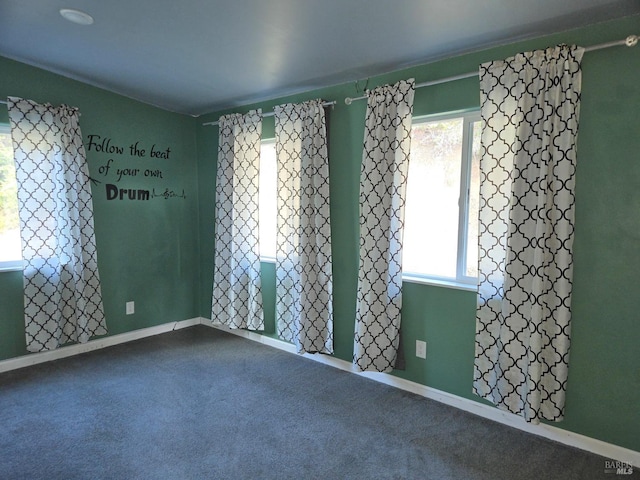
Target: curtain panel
<point x="383" y="181"/>
<point x="529" y="108"/>
<point x="304" y="282"/>
<point x="62" y="294"/>
<point x="237" y="298"/>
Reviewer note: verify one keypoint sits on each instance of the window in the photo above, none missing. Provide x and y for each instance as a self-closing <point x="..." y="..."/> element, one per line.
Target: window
<point x="268" y="200"/>
<point x="441" y="231"/>
<point x="10" y="249"/>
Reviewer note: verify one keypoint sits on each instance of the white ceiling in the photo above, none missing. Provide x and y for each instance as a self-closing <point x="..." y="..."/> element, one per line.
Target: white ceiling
<point x="199" y="56"/>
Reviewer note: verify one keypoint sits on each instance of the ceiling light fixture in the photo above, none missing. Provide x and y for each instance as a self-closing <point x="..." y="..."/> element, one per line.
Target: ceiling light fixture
<point x="76" y="16"/>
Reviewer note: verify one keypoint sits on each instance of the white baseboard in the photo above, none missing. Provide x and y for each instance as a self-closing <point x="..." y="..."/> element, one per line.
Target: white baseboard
<point x="62" y="352"/>
<point x="566" y="437"/>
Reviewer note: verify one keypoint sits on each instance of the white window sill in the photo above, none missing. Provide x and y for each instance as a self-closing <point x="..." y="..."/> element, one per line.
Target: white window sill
<point x="407" y="277"/>
<point x="439" y="282"/>
<point x="10" y="267"/>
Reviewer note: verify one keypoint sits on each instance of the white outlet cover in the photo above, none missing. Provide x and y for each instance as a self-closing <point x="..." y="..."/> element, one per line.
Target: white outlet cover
<point x="421" y="349"/>
<point x="130" y="308"/>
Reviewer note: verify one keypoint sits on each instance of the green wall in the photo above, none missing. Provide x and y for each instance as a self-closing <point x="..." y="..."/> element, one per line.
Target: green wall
<point x="147" y="250"/>
<point x="160" y="253"/>
<point x="604" y="379"/>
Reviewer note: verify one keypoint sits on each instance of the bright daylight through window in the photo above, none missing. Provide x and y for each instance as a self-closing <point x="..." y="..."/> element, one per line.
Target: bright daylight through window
<point x="268" y="198"/>
<point x="10" y="252"/>
<point x="441" y="213"/>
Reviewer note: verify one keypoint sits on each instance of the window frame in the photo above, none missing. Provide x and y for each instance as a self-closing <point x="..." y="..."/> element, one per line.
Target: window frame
<point x="461" y="281"/>
<point x="264" y="258"/>
<point x="10" y="265"/>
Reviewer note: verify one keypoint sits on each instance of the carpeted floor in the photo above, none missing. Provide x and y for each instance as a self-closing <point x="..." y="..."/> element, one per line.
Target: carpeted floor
<point x="203" y="404"/>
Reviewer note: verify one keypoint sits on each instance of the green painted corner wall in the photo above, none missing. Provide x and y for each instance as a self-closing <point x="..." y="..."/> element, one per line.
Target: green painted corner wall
<point x="604" y="380"/>
<point x="147" y="250"/>
<point x="160" y="253"/>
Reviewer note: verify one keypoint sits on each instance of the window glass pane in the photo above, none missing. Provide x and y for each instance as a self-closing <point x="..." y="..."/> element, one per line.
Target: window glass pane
<point x="267" y="199"/>
<point x="433" y="192"/>
<point x="471" y="269"/>
<point x="10" y="249"/>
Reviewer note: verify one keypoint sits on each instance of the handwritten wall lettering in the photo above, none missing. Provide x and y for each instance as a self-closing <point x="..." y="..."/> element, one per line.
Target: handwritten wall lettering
<point x="136" y="150"/>
<point x="127" y="172"/>
<point x="153" y="173"/>
<point x="167" y="194"/>
<point x="160" y="154"/>
<point x="104" y="169"/>
<point x="100" y="144"/>
<point x="113" y="193"/>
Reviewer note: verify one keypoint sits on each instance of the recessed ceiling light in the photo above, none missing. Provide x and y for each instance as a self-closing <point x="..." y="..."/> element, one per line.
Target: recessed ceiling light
<point x="76" y="16"/>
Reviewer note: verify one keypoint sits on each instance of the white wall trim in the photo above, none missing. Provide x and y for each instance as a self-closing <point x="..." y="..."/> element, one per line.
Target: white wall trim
<point x="607" y="450"/>
<point x="76" y="349"/>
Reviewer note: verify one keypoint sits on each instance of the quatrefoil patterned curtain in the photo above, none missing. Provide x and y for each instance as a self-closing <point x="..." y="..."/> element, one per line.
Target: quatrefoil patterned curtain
<point x="304" y="282"/>
<point x="62" y="295"/>
<point x="383" y="182"/>
<point x="529" y="106"/>
<point x="237" y="297"/>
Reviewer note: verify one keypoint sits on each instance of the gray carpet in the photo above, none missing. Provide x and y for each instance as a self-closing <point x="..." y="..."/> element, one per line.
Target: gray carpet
<point x="202" y="404"/>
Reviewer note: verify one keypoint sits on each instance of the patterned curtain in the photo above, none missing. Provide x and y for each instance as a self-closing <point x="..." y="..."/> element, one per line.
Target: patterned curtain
<point x="383" y="180"/>
<point x="304" y="286"/>
<point x="529" y="108"/>
<point x="62" y="295"/>
<point x="237" y="297"/>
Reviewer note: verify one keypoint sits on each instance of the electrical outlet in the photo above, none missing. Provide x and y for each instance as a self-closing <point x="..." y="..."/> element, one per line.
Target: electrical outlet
<point x="421" y="349"/>
<point x="131" y="308"/>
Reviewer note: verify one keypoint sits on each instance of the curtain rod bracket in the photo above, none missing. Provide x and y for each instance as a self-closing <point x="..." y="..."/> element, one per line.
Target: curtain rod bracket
<point x="631" y="41"/>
